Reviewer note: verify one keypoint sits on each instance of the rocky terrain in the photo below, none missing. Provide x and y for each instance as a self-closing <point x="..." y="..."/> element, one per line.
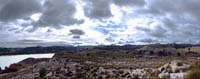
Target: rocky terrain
<point x="146" y="62"/>
<point x="64" y="68"/>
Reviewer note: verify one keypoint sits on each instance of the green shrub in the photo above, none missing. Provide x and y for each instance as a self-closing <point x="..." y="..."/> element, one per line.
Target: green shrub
<point x="151" y="52"/>
<point x="194" y="74"/>
<point x="78" y="75"/>
<point x="58" y="70"/>
<point x="154" y="75"/>
<point x="100" y="77"/>
<point x="136" y="77"/>
<point x="177" y="70"/>
<point x="162" y="69"/>
<point x="126" y="73"/>
<point x="87" y="68"/>
<point x="121" y="71"/>
<point x="42" y="72"/>
<point x="87" y="54"/>
<point x="111" y="76"/>
<point x="106" y="72"/>
<point x="165" y="77"/>
<point x="178" y="54"/>
<point x="95" y="74"/>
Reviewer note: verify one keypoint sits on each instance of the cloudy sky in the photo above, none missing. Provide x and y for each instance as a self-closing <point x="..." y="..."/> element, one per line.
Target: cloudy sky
<point x="26" y="23"/>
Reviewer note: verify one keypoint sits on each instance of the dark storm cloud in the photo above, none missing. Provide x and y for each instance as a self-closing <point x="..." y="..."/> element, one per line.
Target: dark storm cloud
<point x="77" y="32"/>
<point x="58" y="12"/>
<point x="17" y="9"/>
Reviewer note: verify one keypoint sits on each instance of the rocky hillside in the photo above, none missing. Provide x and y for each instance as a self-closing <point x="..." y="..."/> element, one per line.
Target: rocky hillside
<point x="64" y="68"/>
<point x="146" y="62"/>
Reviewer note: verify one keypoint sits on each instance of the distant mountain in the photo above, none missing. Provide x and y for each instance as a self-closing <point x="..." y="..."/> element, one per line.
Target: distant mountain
<point x="35" y="50"/>
<point x="55" y="49"/>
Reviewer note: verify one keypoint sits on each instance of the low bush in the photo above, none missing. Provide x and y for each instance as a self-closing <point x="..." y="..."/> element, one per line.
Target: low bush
<point x="42" y="72"/>
<point x="179" y="64"/>
<point x="121" y="71"/>
<point x="195" y="65"/>
<point x="165" y="77"/>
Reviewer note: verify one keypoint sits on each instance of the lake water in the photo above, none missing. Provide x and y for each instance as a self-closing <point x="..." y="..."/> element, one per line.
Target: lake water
<point x="7" y="60"/>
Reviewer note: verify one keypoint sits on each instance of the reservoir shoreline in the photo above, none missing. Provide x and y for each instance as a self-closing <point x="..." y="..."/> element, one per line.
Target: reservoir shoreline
<point x="7" y="60"/>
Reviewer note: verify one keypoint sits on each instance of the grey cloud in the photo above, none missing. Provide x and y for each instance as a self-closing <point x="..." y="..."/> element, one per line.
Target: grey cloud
<point x="176" y="19"/>
<point x="179" y="19"/>
<point x="148" y="40"/>
<point x="58" y="12"/>
<point x="98" y="9"/>
<point x="177" y="8"/>
<point x="17" y="9"/>
<point x="143" y="29"/>
<point x="33" y="29"/>
<point x="3" y="2"/>
<point x="76" y="37"/>
<point x="77" y="32"/>
<point x="129" y="2"/>
<point x="49" y="30"/>
<point x="29" y="43"/>
<point x="110" y="39"/>
<point x="169" y="24"/>
<point x="12" y="29"/>
<point x="158" y="32"/>
<point x="160" y="7"/>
